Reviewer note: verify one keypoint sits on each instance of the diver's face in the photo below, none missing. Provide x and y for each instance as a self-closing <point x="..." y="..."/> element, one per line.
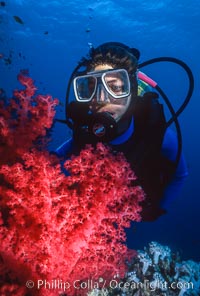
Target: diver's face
<point x="103" y="102"/>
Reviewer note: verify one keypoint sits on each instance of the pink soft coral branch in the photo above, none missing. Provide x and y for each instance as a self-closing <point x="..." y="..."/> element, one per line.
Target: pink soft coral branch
<point x="58" y="227"/>
<point x="24" y="120"/>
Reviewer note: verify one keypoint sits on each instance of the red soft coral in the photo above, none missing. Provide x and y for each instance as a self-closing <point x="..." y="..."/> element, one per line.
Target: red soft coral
<point x="71" y="228"/>
<point x="24" y="120"/>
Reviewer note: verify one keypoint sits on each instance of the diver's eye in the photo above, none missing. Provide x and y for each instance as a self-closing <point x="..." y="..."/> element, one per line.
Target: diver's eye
<point x="116" y="89"/>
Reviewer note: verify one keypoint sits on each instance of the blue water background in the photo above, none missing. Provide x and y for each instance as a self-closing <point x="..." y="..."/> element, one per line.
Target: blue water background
<point x="55" y="35"/>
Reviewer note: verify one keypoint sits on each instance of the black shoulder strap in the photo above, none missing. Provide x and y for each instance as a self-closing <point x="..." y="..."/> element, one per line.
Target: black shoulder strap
<point x="150" y="123"/>
<point x="148" y="111"/>
<point x="149" y="128"/>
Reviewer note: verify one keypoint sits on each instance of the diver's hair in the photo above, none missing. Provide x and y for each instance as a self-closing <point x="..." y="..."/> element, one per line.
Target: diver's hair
<point x="112" y="54"/>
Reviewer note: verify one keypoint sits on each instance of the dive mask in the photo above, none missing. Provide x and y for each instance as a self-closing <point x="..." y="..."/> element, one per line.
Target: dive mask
<point x="114" y="83"/>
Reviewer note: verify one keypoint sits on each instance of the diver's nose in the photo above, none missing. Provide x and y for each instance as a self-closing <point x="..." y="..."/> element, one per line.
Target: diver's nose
<point x="102" y="95"/>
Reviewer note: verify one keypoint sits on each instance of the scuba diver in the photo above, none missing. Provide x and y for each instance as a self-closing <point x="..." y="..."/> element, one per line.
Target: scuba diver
<point x="114" y="103"/>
